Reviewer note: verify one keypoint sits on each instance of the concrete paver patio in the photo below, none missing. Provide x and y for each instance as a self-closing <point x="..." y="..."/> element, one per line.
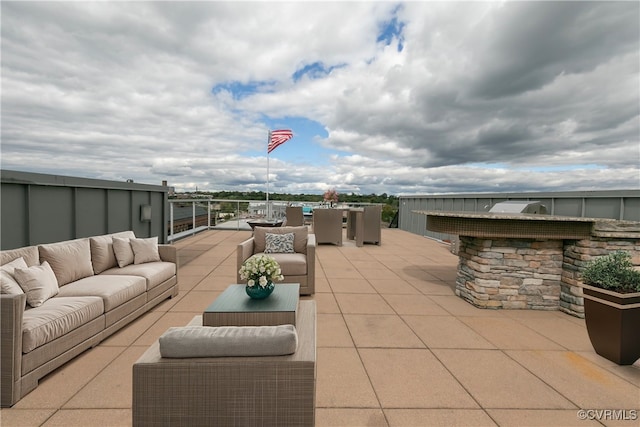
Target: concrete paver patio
<point x="396" y="347"/>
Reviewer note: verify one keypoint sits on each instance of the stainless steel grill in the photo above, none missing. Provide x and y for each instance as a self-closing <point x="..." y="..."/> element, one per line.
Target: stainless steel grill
<point x="519" y="206"/>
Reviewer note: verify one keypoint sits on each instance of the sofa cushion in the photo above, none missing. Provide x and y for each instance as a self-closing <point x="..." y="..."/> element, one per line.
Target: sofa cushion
<point x="279" y="243"/>
<point x="56" y="317"/>
<point x="226" y="341"/>
<point x="299" y="241"/>
<point x="38" y="282"/>
<point x="122" y="250"/>
<point x="8" y="283"/>
<point x="154" y="272"/>
<point x="145" y="250"/>
<point x="290" y="264"/>
<point x="114" y="290"/>
<point x="102" y="255"/>
<point x="29" y="253"/>
<point x="69" y="260"/>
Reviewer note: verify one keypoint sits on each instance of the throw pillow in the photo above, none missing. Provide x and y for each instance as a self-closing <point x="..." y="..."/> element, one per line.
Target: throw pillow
<point x="300" y="235"/>
<point x="38" y="282"/>
<point x="102" y="256"/>
<point x="8" y="283"/>
<point x="122" y="250"/>
<point x="278" y="243"/>
<point x="145" y="250"/>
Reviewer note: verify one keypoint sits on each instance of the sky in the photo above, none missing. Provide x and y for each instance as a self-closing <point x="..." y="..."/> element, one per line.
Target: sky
<point x="382" y="97"/>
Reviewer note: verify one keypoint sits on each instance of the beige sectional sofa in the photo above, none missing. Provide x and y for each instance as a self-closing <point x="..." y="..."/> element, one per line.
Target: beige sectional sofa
<point x="60" y="299"/>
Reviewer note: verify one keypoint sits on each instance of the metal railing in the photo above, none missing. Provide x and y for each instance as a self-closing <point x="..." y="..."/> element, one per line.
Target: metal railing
<point x="191" y="216"/>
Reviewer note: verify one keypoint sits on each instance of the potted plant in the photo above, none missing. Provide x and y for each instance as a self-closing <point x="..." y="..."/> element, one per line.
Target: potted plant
<point x="612" y="307"/>
<point x="330" y="196"/>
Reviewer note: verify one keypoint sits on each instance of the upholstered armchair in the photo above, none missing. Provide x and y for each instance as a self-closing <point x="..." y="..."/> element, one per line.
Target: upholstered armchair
<point x="297" y="267"/>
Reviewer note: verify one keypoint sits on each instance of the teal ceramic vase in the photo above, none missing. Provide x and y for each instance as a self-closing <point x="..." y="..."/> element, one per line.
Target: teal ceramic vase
<point x="258" y="292"/>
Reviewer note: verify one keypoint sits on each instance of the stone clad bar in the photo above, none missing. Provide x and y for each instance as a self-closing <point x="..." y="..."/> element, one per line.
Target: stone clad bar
<point x="529" y="261"/>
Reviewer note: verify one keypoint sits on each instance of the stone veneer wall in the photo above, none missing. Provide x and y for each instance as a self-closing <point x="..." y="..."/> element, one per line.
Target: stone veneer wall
<point x="537" y="274"/>
<point x="510" y="273"/>
<point x="607" y="237"/>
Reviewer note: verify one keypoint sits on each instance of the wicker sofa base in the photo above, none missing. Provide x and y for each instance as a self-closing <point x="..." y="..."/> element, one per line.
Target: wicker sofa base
<point x="20" y="372"/>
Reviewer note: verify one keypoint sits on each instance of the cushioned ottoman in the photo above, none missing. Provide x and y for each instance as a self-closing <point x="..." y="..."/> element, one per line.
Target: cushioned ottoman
<point x="242" y="391"/>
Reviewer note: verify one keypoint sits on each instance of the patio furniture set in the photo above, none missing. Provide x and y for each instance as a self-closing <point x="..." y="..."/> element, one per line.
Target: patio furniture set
<point x="243" y="361"/>
<point x="363" y="225"/>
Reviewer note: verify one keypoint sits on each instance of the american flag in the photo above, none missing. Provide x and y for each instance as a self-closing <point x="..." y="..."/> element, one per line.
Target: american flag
<point x="278" y="137"/>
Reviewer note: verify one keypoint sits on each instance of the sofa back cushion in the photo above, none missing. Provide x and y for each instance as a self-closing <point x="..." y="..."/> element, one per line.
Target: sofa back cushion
<point x="102" y="255"/>
<point x="299" y="240"/>
<point x="29" y="253"/>
<point x="69" y="260"/>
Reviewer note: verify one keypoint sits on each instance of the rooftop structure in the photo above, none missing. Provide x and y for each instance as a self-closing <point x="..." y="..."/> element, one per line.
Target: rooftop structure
<point x="396" y="347"/>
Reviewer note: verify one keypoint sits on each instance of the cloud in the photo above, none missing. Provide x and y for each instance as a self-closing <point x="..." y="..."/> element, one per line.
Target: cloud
<point x="414" y="97"/>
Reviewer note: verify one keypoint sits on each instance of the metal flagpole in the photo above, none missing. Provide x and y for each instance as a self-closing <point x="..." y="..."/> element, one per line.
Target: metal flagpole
<point x="267" y="204"/>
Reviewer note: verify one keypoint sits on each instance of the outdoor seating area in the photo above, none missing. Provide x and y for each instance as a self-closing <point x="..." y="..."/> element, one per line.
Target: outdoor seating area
<point x="394" y="347"/>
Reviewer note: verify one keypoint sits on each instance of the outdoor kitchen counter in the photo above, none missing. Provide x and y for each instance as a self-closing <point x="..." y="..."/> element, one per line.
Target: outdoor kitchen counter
<point x="521" y="260"/>
<point x="510" y="225"/>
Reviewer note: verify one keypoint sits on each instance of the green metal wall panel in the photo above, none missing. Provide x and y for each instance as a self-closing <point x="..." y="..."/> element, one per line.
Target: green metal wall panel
<point x="91" y="212"/>
<point x="119" y="210"/>
<point x="40" y="208"/>
<point x="14" y="215"/>
<point x="51" y="214"/>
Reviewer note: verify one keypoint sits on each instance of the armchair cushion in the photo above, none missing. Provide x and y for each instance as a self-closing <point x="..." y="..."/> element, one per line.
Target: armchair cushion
<point x="299" y="240"/>
<point x="225" y="341"/>
<point x="290" y="264"/>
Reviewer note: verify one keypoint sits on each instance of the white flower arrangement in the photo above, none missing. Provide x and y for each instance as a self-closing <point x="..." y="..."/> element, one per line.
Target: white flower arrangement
<point x="260" y="270"/>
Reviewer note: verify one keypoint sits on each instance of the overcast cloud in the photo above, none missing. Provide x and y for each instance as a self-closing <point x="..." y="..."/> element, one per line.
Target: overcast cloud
<point x="402" y="98"/>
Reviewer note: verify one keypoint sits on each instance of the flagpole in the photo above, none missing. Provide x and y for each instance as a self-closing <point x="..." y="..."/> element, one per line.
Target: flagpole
<point x="267" y="204"/>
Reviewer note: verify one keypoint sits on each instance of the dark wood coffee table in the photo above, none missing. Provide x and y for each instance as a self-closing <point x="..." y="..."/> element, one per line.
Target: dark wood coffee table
<point x="265" y="223"/>
<point x="234" y="307"/>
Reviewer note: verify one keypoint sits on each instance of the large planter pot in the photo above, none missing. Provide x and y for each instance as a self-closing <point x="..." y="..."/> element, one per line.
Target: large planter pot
<point x="613" y="323"/>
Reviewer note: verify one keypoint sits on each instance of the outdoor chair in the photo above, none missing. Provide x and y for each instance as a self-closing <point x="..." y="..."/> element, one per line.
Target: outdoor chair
<point x="297" y="267"/>
<point x="294" y="216"/>
<point x="327" y="225"/>
<point x="372" y="217"/>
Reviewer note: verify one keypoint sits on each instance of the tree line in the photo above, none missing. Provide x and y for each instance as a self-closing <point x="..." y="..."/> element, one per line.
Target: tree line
<point x="389" y="201"/>
<point x="383" y="198"/>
